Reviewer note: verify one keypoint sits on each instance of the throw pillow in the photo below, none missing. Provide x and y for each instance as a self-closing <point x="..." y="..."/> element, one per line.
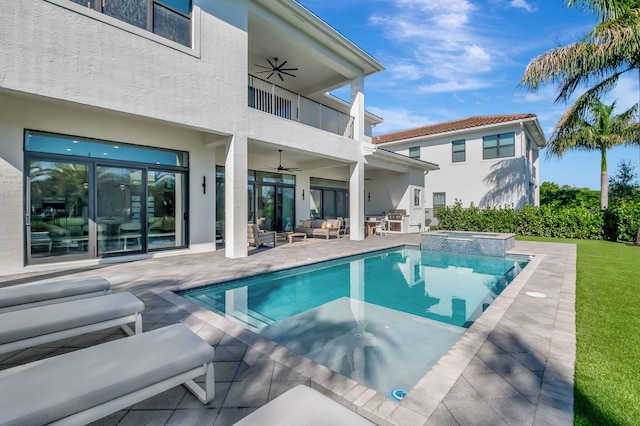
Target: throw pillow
<point x="324" y="225"/>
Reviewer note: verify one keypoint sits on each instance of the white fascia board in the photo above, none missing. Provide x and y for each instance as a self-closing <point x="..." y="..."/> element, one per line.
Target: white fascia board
<point x="324" y="33"/>
<point x="461" y="132"/>
<point x="536" y="131"/>
<point x="394" y="157"/>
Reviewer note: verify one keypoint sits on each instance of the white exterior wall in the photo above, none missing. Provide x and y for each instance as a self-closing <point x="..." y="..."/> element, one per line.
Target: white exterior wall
<point x="496" y="182"/>
<point x="18" y="114"/>
<point x="112" y="81"/>
<point x="102" y="63"/>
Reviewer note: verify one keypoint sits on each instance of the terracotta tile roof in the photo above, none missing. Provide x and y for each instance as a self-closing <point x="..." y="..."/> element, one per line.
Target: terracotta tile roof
<point x="450" y="126"/>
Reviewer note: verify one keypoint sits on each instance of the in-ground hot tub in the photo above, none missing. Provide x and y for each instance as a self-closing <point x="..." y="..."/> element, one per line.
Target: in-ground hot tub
<point x="481" y="243"/>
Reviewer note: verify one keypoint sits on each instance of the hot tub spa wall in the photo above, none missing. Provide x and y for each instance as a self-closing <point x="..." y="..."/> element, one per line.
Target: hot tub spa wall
<point x="489" y="244"/>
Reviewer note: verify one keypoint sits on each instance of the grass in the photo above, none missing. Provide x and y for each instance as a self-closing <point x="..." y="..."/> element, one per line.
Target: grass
<point x="607" y="382"/>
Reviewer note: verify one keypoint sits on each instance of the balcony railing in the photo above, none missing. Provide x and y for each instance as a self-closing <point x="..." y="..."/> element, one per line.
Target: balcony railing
<point x="279" y="101"/>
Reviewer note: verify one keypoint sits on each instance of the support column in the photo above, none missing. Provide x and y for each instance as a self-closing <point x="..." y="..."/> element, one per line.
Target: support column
<point x="356" y="200"/>
<point x="357" y="107"/>
<point x="235" y="197"/>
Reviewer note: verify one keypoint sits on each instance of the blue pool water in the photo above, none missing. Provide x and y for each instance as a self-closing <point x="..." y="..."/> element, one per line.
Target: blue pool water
<point x="383" y="319"/>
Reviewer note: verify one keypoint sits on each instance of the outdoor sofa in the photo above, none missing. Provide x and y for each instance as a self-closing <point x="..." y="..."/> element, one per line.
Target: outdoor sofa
<point x="320" y="228"/>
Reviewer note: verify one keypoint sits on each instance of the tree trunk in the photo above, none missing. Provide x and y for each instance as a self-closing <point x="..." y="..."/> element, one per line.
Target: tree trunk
<point x="604" y="191"/>
<point x="604" y="182"/>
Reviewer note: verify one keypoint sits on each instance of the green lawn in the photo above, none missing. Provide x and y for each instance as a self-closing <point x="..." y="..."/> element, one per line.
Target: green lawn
<point x="608" y="326"/>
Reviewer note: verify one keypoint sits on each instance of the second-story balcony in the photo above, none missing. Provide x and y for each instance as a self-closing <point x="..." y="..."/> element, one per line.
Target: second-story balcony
<point x="276" y="100"/>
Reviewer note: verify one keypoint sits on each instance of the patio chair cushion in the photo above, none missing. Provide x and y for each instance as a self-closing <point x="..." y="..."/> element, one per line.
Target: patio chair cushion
<point x="303" y="406"/>
<point x="48" y="319"/>
<point x="44" y="293"/>
<point x="54" y="388"/>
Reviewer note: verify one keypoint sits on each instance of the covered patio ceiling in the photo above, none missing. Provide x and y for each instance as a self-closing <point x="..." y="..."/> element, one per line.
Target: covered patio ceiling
<point x="325" y="60"/>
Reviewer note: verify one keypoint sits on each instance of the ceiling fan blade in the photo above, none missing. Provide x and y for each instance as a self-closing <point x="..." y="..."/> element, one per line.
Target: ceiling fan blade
<point x="282" y="64"/>
<point x="263" y="66"/>
<point x="270" y="75"/>
<point x="263" y="72"/>
<point x="270" y="63"/>
<point x="280" y="75"/>
<point x="287" y="73"/>
<point x="288" y="69"/>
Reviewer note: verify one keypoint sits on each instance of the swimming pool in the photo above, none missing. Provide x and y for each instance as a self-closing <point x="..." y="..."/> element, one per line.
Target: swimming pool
<point x="383" y="319"/>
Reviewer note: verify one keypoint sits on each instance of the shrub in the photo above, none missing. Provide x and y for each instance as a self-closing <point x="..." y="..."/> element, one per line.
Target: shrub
<point x="619" y="223"/>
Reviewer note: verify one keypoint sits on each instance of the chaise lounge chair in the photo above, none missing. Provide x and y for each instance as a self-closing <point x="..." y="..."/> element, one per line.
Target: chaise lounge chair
<point x="42" y="324"/>
<point x="86" y="385"/>
<point x="45" y="293"/>
<point x="303" y="406"/>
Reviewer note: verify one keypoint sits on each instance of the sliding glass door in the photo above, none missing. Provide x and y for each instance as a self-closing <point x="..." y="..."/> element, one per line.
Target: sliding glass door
<point x="118" y="214"/>
<point x="166" y="200"/>
<point x="58" y="218"/>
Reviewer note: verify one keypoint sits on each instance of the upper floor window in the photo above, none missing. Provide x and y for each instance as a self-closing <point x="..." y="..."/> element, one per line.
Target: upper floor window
<point x="414" y="152"/>
<point x="167" y="18"/>
<point x="458" y="151"/>
<point x="498" y="146"/>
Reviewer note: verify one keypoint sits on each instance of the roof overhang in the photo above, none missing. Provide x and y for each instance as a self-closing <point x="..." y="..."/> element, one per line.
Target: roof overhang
<point x="381" y="157"/>
<point x="306" y="22"/>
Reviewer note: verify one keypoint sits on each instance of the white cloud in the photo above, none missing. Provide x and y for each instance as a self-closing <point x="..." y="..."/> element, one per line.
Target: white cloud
<point x="398" y="119"/>
<point x="523" y="4"/>
<point x="547" y="93"/>
<point x="454" y="85"/>
<point x="443" y="43"/>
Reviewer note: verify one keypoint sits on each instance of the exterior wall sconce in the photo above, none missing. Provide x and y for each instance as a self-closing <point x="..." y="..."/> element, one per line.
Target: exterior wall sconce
<point x="204" y="184"/>
<point x="303" y="194"/>
<point x="369" y="197"/>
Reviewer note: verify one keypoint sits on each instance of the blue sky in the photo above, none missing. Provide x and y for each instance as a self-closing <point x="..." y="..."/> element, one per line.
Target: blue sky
<point x="452" y="59"/>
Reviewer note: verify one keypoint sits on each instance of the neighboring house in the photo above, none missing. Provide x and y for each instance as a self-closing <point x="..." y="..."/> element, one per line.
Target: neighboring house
<point x="131" y="128"/>
<point x="485" y="160"/>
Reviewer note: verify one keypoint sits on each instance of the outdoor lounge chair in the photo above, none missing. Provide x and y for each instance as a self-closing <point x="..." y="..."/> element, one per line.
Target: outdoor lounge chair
<point x="257" y="237"/>
<point x="303" y="406"/>
<point x="42" y="324"/>
<point x="45" y="293"/>
<point x="86" y="385"/>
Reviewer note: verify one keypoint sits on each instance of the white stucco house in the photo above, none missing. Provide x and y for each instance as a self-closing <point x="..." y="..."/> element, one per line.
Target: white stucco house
<point x="490" y="161"/>
<point x="132" y="129"/>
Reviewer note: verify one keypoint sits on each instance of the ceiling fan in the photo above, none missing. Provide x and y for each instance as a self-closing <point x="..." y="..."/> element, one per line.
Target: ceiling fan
<point x="280" y="168"/>
<point x="276" y="69"/>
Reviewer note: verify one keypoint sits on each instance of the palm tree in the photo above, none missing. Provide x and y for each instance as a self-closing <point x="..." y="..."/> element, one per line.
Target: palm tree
<point x="595" y="129"/>
<point x="611" y="49"/>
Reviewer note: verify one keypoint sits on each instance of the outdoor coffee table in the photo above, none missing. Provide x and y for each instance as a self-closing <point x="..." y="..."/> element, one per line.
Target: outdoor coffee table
<point x="292" y="235"/>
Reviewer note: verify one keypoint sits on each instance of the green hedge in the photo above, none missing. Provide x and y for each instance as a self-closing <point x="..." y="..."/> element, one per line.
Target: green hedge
<point x="619" y="223"/>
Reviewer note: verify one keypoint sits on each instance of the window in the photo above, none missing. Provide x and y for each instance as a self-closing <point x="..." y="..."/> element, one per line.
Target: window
<point x="416" y="197"/>
<point x="414" y="152"/>
<point x="498" y="146"/>
<point x="439" y="200"/>
<point x="458" y="149"/>
<point x="89" y="198"/>
<point x="167" y="18"/>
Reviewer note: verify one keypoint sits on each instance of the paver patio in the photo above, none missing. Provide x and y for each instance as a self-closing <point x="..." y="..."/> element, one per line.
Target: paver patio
<point x="515" y="365"/>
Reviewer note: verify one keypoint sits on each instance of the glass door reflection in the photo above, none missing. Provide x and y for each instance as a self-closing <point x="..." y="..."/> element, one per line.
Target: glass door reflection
<point x="119" y="208"/>
<point x="165" y="209"/>
<point x="265" y="207"/>
<point x="58" y="211"/>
